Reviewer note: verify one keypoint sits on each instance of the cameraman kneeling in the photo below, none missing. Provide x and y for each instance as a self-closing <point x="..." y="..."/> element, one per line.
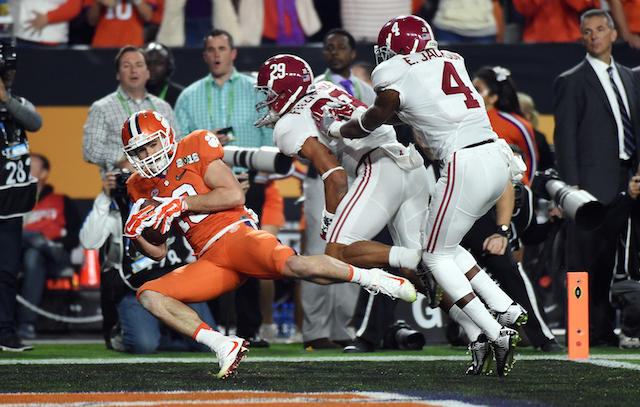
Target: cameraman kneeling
<point x="124" y="270"/>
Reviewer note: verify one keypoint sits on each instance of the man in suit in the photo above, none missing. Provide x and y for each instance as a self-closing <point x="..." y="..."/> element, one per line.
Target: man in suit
<point x="596" y="139"/>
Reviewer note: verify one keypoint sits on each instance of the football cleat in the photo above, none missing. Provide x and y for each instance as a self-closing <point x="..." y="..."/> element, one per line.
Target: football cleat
<point x="514" y="316"/>
<point x="391" y="285"/>
<point x="481" y="357"/>
<point x="433" y="290"/>
<point x="504" y="350"/>
<point x="230" y="355"/>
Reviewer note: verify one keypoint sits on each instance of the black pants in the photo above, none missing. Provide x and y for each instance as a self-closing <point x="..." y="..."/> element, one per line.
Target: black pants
<point x="506" y="272"/>
<point x="590" y="252"/>
<point x="10" y="242"/>
<point x="247" y="296"/>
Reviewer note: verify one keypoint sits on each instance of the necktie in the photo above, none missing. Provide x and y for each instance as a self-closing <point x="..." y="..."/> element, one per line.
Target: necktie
<point x="629" y="138"/>
<point x="346" y="84"/>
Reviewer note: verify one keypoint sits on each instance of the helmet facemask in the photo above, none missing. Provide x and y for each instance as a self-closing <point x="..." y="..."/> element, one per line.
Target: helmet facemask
<point x="383" y="53"/>
<point x="268" y="117"/>
<point x="156" y="163"/>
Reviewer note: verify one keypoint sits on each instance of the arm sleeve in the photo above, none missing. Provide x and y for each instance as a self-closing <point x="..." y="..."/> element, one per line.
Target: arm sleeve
<point x="66" y="12"/>
<point x="25" y="113"/>
<point x="565" y="112"/>
<point x="94" y="231"/>
<point x="616" y="216"/>
<point x="94" y="137"/>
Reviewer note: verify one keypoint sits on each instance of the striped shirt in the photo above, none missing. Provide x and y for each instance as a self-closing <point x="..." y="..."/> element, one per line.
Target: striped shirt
<point x="364" y="18"/>
<point x="102" y="140"/>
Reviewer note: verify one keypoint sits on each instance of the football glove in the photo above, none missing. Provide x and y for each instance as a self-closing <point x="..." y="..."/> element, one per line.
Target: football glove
<point x="139" y="219"/>
<point x="168" y="210"/>
<point x="327" y="220"/>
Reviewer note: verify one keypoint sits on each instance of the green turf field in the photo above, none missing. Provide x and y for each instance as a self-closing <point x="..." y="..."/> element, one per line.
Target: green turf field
<point x="608" y="378"/>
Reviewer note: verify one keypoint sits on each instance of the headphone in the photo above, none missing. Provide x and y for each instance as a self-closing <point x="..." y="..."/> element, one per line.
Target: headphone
<point x="165" y="52"/>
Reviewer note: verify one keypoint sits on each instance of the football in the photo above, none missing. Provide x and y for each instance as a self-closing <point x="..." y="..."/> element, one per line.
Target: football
<point x="150" y="234"/>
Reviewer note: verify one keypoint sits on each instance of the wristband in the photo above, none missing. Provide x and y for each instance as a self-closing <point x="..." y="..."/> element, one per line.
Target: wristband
<point x="328" y="172"/>
<point x="361" y="126"/>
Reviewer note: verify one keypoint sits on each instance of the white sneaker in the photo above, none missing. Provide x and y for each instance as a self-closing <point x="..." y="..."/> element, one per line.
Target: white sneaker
<point x="628" y="342"/>
<point x="393" y="286"/>
<point x="269" y="332"/>
<point x="229" y="356"/>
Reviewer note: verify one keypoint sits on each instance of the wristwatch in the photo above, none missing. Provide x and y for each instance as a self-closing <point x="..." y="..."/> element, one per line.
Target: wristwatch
<point x="503" y="230"/>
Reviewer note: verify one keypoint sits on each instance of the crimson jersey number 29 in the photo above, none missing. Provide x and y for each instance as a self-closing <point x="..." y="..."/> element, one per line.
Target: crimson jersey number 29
<point x="452" y="84"/>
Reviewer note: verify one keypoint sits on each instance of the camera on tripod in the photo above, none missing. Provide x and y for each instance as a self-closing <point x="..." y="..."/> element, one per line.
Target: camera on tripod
<point x="579" y="205"/>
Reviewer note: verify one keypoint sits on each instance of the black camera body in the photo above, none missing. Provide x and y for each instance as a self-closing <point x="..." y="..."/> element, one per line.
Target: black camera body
<point x="121" y="185"/>
<point x="579" y="205"/>
<point x="8" y="57"/>
<point x="402" y="336"/>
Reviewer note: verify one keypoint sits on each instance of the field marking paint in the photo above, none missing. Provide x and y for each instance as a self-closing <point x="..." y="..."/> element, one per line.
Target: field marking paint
<point x="611" y="361"/>
<point x="222" y="397"/>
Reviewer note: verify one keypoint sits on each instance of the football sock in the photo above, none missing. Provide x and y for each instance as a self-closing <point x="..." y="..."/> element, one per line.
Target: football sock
<point x="207" y="336"/>
<point x="476" y="311"/>
<point x="487" y="289"/>
<point x="401" y="257"/>
<point x="472" y="330"/>
<point x="360" y="276"/>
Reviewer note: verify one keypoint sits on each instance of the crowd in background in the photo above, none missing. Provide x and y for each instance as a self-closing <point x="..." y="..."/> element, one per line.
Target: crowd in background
<point x="144" y="83"/>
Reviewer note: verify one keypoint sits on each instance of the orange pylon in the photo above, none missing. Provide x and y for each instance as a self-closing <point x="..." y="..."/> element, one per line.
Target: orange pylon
<point x="90" y="271"/>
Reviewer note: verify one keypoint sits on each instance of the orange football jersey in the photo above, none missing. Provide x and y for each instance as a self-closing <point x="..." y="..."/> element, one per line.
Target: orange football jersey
<point x="185" y="176"/>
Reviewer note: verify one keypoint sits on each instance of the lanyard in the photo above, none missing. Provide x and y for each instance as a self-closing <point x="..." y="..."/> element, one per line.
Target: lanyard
<point x="164" y="91"/>
<point x="125" y="105"/>
<point x="327" y="75"/>
<point x="229" y="106"/>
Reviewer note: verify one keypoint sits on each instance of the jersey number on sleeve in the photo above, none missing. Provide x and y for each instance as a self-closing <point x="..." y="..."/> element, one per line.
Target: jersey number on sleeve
<point x="452" y="84"/>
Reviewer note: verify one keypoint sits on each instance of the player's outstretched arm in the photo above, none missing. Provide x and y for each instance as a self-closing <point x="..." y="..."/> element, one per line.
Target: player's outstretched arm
<point x="225" y="193"/>
<point x="335" y="181"/>
<point x="383" y="111"/>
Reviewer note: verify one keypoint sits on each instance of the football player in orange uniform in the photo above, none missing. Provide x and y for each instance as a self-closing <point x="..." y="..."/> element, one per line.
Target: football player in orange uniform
<point x="201" y="196"/>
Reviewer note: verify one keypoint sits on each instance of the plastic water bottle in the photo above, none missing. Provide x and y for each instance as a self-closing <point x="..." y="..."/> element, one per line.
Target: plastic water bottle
<point x="286" y="327"/>
<point x="277" y="317"/>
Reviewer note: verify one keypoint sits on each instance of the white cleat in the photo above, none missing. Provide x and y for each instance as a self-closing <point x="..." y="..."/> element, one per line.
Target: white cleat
<point x="230" y="355"/>
<point x="391" y="285"/>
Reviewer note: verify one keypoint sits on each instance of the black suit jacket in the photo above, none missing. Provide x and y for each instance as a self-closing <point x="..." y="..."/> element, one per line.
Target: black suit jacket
<point x="586" y="135"/>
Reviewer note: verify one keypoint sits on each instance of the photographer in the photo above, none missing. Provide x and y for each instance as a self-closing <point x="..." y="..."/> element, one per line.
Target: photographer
<point x="124" y="270"/>
<point x="621" y="226"/>
<point x="17" y="191"/>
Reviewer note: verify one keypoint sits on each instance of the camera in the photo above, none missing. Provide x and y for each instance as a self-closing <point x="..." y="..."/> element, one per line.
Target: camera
<point x="8" y="58"/>
<point x="402" y="336"/>
<point x="229" y="132"/>
<point x="121" y="185"/>
<point x="579" y="205"/>
<point x="263" y="159"/>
